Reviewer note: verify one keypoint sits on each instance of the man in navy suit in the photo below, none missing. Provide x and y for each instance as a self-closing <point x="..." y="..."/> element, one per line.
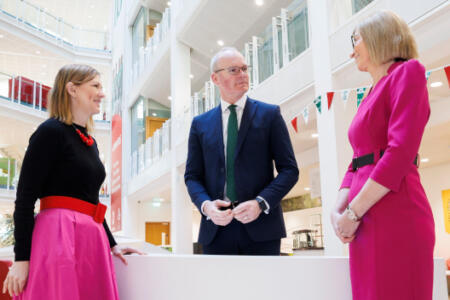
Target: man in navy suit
<point x="229" y="169"/>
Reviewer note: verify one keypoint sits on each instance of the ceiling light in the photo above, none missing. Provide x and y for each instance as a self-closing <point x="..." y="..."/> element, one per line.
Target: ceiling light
<point x="154" y="114"/>
<point x="168" y="3"/>
<point x="220" y="43"/>
<point x="38" y="52"/>
<point x="156" y="204"/>
<point x="44" y="66"/>
<point x="1" y="36"/>
<point x="436" y="84"/>
<point x="315" y="135"/>
<point x="170" y="98"/>
<point x="424" y="160"/>
<point x="307" y="189"/>
<point x="191" y="76"/>
<point x="259" y="2"/>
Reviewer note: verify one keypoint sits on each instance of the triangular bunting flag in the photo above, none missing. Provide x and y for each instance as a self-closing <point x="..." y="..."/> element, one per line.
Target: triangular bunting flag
<point x="344" y="95"/>
<point x="359" y="95"/>
<point x="447" y="73"/>
<point x="427" y="74"/>
<point x="294" y="124"/>
<point x="330" y="98"/>
<point x="305" y="114"/>
<point x="318" y="103"/>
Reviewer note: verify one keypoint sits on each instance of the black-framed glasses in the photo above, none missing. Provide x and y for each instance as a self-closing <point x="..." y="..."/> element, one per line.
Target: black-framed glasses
<point x="355" y="37"/>
<point x="235" y="70"/>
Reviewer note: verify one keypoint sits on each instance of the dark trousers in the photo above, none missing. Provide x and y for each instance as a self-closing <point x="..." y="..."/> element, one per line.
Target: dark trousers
<point x="233" y="239"/>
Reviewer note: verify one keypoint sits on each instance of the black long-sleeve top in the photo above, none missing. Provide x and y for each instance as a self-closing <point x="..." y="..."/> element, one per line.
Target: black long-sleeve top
<point x="56" y="163"/>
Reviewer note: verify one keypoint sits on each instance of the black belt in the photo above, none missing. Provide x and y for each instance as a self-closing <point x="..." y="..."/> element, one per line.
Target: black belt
<point x="369" y="159"/>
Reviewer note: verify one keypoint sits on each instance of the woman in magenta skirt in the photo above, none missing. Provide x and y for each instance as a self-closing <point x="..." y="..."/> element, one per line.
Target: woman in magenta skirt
<point x="382" y="209"/>
<point x="65" y="252"/>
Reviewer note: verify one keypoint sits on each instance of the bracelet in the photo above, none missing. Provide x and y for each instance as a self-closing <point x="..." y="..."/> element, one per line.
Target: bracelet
<point x="351" y="214"/>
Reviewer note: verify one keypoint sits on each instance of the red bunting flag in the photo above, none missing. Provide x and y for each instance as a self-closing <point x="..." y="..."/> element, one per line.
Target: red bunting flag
<point x="294" y="124"/>
<point x="330" y="96"/>
<point x="447" y="72"/>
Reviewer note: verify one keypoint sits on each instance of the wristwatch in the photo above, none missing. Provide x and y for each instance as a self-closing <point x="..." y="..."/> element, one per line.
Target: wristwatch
<point x="262" y="204"/>
<point x="351" y="214"/>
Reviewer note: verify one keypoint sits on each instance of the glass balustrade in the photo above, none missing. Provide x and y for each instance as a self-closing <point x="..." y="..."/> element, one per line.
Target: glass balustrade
<point x="53" y="27"/>
<point x="297" y="28"/>
<point x="341" y="10"/>
<point x="265" y="54"/>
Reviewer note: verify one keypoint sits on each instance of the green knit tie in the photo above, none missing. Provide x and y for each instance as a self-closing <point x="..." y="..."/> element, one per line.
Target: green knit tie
<point x="231" y="148"/>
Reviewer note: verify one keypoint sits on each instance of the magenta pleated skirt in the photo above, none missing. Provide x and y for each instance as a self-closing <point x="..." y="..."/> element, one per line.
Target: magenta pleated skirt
<point x="70" y="259"/>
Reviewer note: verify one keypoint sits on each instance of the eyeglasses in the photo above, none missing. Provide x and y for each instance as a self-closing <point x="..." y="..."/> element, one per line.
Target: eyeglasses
<point x="355" y="37"/>
<point x="234" y="70"/>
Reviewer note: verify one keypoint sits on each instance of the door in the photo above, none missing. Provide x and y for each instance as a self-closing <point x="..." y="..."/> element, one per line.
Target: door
<point x="152" y="124"/>
<point x="157" y="232"/>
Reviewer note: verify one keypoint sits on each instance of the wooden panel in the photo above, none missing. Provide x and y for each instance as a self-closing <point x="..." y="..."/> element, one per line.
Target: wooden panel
<point x="152" y="124"/>
<point x="154" y="231"/>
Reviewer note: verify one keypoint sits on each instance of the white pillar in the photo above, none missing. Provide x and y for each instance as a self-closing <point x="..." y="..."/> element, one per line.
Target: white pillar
<point x="180" y="69"/>
<point x="333" y="149"/>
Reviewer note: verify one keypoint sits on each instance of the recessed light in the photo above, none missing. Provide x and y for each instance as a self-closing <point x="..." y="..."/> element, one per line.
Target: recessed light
<point x="1" y="36"/>
<point x="315" y="135"/>
<point x="38" y="52"/>
<point x="424" y="160"/>
<point x="436" y="84"/>
<point x="156" y="204"/>
<point x="307" y="189"/>
<point x="170" y="98"/>
<point x="154" y="114"/>
<point x="191" y="76"/>
<point x="44" y="66"/>
<point x="220" y="43"/>
<point x="169" y="3"/>
<point x="259" y="2"/>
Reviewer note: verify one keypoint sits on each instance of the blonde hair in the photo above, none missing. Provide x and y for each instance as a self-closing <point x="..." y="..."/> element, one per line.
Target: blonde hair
<point x="387" y="37"/>
<point x="59" y="97"/>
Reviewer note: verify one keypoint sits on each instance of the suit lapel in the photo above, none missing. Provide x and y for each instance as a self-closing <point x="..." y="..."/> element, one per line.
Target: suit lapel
<point x="247" y="116"/>
<point x="217" y="133"/>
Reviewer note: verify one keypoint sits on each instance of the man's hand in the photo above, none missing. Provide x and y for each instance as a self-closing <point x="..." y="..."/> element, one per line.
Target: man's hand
<point x="247" y="211"/>
<point x="218" y="217"/>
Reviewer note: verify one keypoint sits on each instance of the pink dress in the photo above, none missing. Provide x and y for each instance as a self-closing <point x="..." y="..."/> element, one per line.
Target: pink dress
<point x="391" y="257"/>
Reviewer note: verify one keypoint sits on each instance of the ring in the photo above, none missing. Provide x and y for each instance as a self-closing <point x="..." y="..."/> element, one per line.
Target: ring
<point x="245" y="218"/>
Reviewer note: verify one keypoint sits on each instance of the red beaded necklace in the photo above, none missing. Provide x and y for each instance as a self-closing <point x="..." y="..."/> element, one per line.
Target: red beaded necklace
<point x="89" y="141"/>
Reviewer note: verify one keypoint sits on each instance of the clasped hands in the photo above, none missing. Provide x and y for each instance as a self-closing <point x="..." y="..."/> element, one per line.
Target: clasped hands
<point x="344" y="227"/>
<point x="245" y="212"/>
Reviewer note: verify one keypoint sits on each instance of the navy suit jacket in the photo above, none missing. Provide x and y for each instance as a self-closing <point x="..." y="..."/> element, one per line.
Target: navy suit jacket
<point x="263" y="138"/>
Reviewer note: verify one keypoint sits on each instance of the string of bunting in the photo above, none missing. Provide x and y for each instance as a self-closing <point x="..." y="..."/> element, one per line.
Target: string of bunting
<point x="345" y="95"/>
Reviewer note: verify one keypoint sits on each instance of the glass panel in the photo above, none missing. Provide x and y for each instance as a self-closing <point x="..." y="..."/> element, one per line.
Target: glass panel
<point x="50" y="25"/>
<point x="298" y="38"/>
<point x="280" y="47"/>
<point x="357" y="5"/>
<point x="137" y="125"/>
<point x="265" y="54"/>
<point x="30" y="14"/>
<point x="10" y="8"/>
<point x="5" y="86"/>
<point x="138" y="34"/>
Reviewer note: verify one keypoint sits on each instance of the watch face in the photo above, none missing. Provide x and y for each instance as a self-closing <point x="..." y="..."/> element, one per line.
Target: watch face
<point x="262" y="205"/>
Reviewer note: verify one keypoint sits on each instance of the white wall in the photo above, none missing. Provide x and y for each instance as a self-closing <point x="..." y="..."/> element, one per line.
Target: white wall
<point x="434" y="180"/>
<point x="149" y="213"/>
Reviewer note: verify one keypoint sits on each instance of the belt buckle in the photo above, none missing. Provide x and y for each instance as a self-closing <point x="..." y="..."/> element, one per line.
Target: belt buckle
<point x="99" y="214"/>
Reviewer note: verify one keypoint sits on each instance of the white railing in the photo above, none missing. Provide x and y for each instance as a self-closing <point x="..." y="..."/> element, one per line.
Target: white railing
<point x="32" y="94"/>
<point x="150" y="152"/>
<point x="250" y="277"/>
<point x="146" y="53"/>
<point x="40" y="20"/>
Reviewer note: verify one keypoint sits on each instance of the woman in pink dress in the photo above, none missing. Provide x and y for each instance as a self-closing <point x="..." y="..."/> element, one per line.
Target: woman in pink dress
<point x="65" y="252"/>
<point x="382" y="209"/>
